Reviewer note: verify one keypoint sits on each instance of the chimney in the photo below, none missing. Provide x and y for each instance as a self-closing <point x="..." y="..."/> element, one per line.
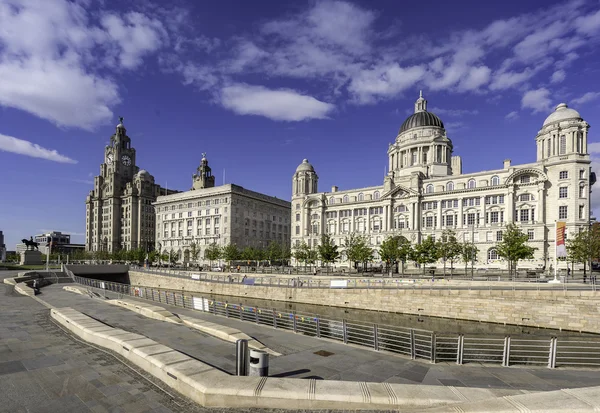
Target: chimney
<point x="506" y="163"/>
<point x="334" y="188"/>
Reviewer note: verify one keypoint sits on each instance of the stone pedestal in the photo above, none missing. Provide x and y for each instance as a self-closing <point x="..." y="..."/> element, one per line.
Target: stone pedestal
<point x="31" y="258"/>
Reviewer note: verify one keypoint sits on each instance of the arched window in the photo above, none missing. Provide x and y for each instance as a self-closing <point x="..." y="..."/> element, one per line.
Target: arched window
<point x="450" y="186"/>
<point x="429" y="189"/>
<point x="376" y="195"/>
<point x="492" y="254"/>
<point x="471" y="184"/>
<point x="346" y="198"/>
<point x="331" y="200"/>
<point x="495" y="180"/>
<point x="361" y="197"/>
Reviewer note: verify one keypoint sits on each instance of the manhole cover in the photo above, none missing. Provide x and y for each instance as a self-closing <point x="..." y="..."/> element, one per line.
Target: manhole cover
<point x="323" y="353"/>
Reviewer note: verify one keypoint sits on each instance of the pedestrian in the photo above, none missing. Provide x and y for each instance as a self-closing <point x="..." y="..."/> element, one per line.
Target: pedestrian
<point x="244" y="278"/>
<point x="568" y="271"/>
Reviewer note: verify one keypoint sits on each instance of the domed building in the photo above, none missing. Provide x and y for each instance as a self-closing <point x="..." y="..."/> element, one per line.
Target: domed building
<point x="425" y="192"/>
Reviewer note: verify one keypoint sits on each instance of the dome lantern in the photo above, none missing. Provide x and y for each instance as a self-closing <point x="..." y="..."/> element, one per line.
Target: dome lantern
<point x="421" y="117"/>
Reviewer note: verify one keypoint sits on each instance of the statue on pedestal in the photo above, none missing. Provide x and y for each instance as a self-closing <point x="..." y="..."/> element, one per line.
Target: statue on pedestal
<point x="30" y="243"/>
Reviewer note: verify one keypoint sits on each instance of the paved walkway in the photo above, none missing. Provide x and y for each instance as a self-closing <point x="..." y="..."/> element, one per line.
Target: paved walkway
<point x="299" y="358"/>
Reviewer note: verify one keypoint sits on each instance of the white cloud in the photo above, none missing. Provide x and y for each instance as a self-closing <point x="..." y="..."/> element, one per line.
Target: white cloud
<point x="558" y="76"/>
<point x="594" y="149"/>
<point x="452" y="112"/>
<point x="505" y="80"/>
<point x="23" y="147"/>
<point x="512" y="115"/>
<point x="538" y="100"/>
<point x="383" y="82"/>
<point x="587" y="97"/>
<point x="279" y="105"/>
<point x="589" y="24"/>
<point x="56" y="58"/>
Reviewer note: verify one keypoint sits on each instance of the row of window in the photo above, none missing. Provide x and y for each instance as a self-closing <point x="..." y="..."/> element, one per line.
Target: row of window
<point x="360" y="198"/>
<point x="208" y="202"/>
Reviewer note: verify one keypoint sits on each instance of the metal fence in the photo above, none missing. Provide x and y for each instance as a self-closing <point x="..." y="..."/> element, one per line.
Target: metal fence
<point x="414" y="343"/>
<point x="433" y="283"/>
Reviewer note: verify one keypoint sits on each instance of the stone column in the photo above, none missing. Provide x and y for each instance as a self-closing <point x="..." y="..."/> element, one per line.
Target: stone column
<point x="483" y="211"/>
<point x="459" y="224"/>
<point x="584" y="149"/>
<point x="541" y="202"/>
<point x="439" y="214"/>
<point x="510" y="205"/>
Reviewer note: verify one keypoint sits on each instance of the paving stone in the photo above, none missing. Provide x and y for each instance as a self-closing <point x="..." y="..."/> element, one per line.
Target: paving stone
<point x="11" y="367"/>
<point x="42" y="362"/>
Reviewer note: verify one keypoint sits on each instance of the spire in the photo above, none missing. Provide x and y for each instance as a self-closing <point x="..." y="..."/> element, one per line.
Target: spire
<point x="421" y="103"/>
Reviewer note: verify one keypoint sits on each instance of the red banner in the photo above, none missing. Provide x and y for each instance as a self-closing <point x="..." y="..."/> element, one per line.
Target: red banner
<point x="561" y="249"/>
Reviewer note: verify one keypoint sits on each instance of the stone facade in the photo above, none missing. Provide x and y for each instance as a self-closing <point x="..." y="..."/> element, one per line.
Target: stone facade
<point x="425" y="192"/>
<point x="223" y="214"/>
<point x="119" y="211"/>
<point x="558" y="309"/>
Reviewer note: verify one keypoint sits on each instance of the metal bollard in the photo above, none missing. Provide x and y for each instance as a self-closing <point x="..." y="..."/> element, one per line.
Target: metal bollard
<point x="241" y="357"/>
<point x="259" y="363"/>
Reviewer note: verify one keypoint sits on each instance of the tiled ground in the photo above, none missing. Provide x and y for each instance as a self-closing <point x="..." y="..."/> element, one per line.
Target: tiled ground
<point x="300" y="361"/>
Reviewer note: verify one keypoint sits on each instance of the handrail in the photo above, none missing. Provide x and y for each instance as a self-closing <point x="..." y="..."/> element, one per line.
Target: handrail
<point x="414" y="343"/>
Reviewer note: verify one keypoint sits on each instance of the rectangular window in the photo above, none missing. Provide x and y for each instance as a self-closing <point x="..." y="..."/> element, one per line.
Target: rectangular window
<point x="207" y="221"/>
<point x="562" y="212"/>
<point x="471" y="219"/>
<point x="563" y="175"/>
<point x="530" y="234"/>
<point x="563" y="192"/>
<point x="498" y="235"/>
<point x="190" y="223"/>
<point x="189" y="232"/>
<point x="181" y="215"/>
<point x="581" y="173"/>
<point x="562" y="147"/>
<point x="489" y="236"/>
<point x="581" y="211"/>
<point x="524" y="215"/>
<point x="429" y="222"/>
<point x="494" y="217"/>
<point x="449" y="220"/>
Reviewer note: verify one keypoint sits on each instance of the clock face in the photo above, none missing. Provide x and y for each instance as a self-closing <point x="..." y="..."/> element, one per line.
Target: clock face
<point x="126" y="160"/>
<point x="109" y="158"/>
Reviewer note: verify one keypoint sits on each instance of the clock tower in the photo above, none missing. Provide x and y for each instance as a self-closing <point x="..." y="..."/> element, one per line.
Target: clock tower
<point x="119" y="211"/>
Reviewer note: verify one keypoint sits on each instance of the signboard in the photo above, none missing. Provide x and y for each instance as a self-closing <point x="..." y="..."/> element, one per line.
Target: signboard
<point x="248" y="281"/>
<point x="195" y="276"/>
<point x="102" y="285"/>
<point x="201" y="304"/>
<point x="561" y="249"/>
<point x="338" y="284"/>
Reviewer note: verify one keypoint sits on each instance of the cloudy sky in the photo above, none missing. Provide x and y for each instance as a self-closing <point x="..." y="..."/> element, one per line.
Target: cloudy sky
<point x="260" y="85"/>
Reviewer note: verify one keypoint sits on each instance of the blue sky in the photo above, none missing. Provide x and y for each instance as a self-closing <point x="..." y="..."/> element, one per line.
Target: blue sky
<point x="261" y="85"/>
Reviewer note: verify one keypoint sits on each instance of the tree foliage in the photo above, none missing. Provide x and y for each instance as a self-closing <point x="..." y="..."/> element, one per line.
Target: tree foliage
<point x="194" y="251"/>
<point x="468" y="253"/>
<point x="230" y="252"/>
<point x="327" y="250"/>
<point x="425" y="252"/>
<point x="584" y="246"/>
<point x="274" y="252"/>
<point x="212" y="252"/>
<point x="513" y="247"/>
<point x="300" y="252"/>
<point x="448" y="248"/>
<point x="357" y="249"/>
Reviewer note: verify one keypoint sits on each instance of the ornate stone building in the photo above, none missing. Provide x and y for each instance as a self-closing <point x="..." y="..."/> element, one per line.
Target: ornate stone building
<point x="224" y="214"/>
<point x="119" y="211"/>
<point x="426" y="192"/>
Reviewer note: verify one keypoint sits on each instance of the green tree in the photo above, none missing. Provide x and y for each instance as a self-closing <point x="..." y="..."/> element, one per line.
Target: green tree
<point x="231" y="253"/>
<point x="286" y="254"/>
<point x="584" y="247"/>
<point x="513" y="247"/>
<point x="165" y="256"/>
<point x="405" y="251"/>
<point x="274" y="252"/>
<point x="468" y="253"/>
<point x="356" y="248"/>
<point x="153" y="257"/>
<point x="389" y="251"/>
<point x="194" y="252"/>
<point x="448" y="248"/>
<point x="425" y="252"/>
<point x="300" y="253"/>
<point x="172" y="256"/>
<point x="212" y="253"/>
<point x="327" y="250"/>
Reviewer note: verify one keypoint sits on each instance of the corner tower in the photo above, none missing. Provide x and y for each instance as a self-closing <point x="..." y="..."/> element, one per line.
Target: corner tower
<point x="421" y="145"/>
<point x="203" y="177"/>
<point x="563" y="133"/>
<point x="305" y="180"/>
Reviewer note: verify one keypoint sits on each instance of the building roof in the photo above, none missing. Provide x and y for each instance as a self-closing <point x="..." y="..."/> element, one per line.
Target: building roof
<point x="305" y="166"/>
<point x="420" y="119"/>
<point x="562" y="112"/>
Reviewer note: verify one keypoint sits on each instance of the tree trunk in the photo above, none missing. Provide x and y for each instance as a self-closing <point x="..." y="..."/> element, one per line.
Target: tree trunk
<point x="444" y="267"/>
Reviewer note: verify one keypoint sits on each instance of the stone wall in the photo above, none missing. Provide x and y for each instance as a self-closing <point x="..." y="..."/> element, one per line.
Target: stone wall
<point x="565" y="310"/>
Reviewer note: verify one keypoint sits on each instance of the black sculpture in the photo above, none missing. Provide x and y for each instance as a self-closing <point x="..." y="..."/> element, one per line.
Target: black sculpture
<point x="30" y="243"/>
